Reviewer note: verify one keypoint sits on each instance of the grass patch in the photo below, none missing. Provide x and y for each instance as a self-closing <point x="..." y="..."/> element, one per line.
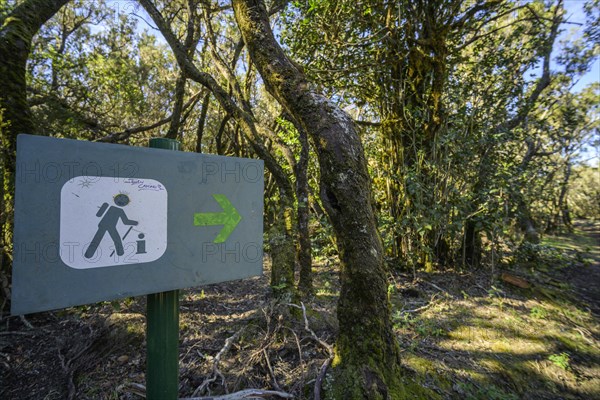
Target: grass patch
<point x="500" y="343"/>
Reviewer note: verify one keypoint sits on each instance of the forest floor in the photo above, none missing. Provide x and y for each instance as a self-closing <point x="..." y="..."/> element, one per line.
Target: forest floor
<point x="462" y="334"/>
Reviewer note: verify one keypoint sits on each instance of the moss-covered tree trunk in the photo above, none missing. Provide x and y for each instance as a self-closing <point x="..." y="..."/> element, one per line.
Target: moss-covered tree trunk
<point x="16" y="33"/>
<point x="367" y="361"/>
<point x="283" y="254"/>
<point x="305" y="285"/>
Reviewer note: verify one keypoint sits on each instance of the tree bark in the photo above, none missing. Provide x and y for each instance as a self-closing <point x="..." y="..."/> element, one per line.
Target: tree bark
<point x="202" y="122"/>
<point x="305" y="285"/>
<point x="471" y="248"/>
<point x="367" y="359"/>
<point x="16" y="33"/>
<point x="283" y="256"/>
<point x="173" y="132"/>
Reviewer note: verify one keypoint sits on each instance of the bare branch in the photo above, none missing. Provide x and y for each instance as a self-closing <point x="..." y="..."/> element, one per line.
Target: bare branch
<point x="215" y="367"/>
<point x="275" y="384"/>
<point x="245" y="394"/>
<point x="244" y="119"/>
<point x="544" y="80"/>
<point x="367" y="123"/>
<point x="118" y="136"/>
<point x="313" y="335"/>
<point x="320" y="377"/>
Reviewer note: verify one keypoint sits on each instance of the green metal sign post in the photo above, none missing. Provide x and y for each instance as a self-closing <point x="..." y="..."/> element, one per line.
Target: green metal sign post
<point x="162" y="348"/>
<point x="162" y="330"/>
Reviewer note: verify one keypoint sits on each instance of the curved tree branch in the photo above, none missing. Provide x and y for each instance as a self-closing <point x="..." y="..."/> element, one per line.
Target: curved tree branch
<point x="230" y="106"/>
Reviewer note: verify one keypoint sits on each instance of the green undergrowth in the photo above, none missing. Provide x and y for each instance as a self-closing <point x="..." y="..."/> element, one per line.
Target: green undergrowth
<point x="576" y="240"/>
<point x="497" y="341"/>
<point x="482" y="348"/>
<point x="498" y="347"/>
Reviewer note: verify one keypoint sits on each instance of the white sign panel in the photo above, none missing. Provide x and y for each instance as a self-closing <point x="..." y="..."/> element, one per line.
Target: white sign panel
<point x="107" y="221"/>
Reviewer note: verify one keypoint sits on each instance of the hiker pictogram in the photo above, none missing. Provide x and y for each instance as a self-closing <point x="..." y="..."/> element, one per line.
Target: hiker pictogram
<point x="108" y="224"/>
<point x="108" y="221"/>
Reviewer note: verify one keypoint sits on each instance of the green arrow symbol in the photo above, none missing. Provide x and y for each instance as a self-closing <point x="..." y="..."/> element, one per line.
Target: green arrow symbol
<point x="229" y="218"/>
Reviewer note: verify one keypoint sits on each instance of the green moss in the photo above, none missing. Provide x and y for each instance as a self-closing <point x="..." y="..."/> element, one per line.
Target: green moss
<point x="362" y="383"/>
<point x="428" y="369"/>
<point x="370" y="378"/>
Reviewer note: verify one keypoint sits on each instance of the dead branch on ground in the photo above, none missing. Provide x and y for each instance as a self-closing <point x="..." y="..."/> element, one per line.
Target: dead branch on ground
<point x="245" y="394"/>
<point x="216" y="373"/>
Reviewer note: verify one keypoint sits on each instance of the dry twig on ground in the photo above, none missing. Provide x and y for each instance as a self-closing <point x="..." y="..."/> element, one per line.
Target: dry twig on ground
<point x="245" y="394"/>
<point x="216" y="373"/>
<point x="327" y="346"/>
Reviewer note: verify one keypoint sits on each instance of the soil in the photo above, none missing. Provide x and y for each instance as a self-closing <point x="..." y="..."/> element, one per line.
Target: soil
<point x="451" y="327"/>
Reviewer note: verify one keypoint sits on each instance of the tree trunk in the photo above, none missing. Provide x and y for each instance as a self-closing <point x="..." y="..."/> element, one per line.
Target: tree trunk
<point x="173" y="132"/>
<point x="563" y="205"/>
<point x="283" y="255"/>
<point x="219" y="135"/>
<point x="202" y="122"/>
<point x="367" y="358"/>
<point x="472" y="245"/>
<point x="525" y="220"/>
<point x="304" y="246"/>
<point x="16" y="33"/>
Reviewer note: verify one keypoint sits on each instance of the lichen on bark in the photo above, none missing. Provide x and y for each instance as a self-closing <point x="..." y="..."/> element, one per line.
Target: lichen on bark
<point x="283" y="256"/>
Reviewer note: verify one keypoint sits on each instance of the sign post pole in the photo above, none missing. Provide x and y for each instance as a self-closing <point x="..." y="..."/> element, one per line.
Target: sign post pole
<point x="162" y="330"/>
